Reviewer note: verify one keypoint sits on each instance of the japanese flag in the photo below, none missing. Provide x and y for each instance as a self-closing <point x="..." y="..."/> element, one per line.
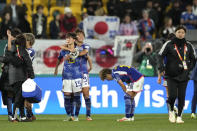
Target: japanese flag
<point x="101" y="27"/>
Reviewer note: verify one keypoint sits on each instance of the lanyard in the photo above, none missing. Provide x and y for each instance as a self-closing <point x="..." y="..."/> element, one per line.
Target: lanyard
<point x="179" y="53"/>
<point x="18" y="52"/>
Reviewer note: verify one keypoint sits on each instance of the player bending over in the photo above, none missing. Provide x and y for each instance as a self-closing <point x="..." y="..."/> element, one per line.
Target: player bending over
<point x="134" y="84"/>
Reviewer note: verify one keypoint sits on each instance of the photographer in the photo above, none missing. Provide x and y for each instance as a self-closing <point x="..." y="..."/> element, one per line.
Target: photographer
<point x="147" y="60"/>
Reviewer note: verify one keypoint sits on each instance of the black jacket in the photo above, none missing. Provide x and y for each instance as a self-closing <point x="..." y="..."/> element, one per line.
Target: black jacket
<point x="54" y="30"/>
<point x="173" y="66"/>
<point x="44" y="26"/>
<point x="20" y="10"/>
<point x="19" y="68"/>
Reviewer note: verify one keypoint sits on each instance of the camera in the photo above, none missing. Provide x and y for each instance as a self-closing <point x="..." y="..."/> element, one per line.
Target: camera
<point x="148" y="50"/>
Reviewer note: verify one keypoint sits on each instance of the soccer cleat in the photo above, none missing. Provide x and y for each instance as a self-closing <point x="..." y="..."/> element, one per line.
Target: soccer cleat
<point x="172" y="118"/>
<point x="9" y="118"/>
<point x="33" y="118"/>
<point x="68" y="118"/>
<point x="179" y="120"/>
<point x="88" y="118"/>
<point x="14" y="120"/>
<point x="132" y="118"/>
<point x="193" y="116"/>
<point x="124" y="119"/>
<point x="24" y="119"/>
<point x="76" y="119"/>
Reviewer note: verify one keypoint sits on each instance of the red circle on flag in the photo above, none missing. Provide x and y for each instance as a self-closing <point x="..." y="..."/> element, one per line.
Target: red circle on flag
<point x="105" y="60"/>
<point x="50" y="56"/>
<point x="101" y="27"/>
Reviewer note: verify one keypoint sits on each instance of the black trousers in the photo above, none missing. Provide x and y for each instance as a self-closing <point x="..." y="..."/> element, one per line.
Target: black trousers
<point x="176" y="89"/>
<point x="18" y="99"/>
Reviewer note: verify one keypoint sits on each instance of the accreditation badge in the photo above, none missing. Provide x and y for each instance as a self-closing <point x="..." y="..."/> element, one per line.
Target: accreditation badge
<point x="184" y="65"/>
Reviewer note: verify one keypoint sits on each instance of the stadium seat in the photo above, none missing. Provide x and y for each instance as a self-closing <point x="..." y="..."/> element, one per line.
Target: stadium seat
<point x="29" y="19"/>
<point x="76" y="12"/>
<point x="27" y="1"/>
<point x="49" y="19"/>
<point x="18" y="2"/>
<point x="76" y="2"/>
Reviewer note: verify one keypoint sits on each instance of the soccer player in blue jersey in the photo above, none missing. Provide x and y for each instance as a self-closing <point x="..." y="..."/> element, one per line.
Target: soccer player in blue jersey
<point x="84" y="59"/>
<point x="30" y="40"/>
<point x="72" y="77"/>
<point x="134" y="84"/>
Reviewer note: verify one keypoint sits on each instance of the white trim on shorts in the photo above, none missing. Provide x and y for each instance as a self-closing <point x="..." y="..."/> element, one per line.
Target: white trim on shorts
<point x="136" y="86"/>
<point x="72" y="86"/>
<point x="85" y="81"/>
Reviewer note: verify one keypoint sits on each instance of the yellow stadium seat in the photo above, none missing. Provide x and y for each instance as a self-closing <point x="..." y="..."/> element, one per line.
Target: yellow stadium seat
<point x="76" y="5"/>
<point x="49" y="19"/>
<point x="18" y="2"/>
<point x="76" y="1"/>
<point x="36" y="2"/>
<point x="76" y="11"/>
<point x="27" y="1"/>
<point x="29" y="19"/>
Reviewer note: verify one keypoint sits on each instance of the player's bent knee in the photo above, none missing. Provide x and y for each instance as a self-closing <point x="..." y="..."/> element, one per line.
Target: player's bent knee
<point x="132" y="94"/>
<point x="85" y="91"/>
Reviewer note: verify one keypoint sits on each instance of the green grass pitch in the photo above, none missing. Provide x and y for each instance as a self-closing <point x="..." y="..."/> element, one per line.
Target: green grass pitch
<point x="143" y="122"/>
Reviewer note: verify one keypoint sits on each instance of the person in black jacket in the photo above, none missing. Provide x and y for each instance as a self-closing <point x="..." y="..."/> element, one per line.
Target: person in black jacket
<point x="181" y="59"/>
<point x="6" y="89"/>
<point x="55" y="26"/>
<point x="5" y="25"/>
<point x="39" y="23"/>
<point x="18" y="71"/>
<point x="15" y="10"/>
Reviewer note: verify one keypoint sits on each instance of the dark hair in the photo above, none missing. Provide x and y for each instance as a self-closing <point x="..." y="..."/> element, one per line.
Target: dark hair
<point x="180" y="27"/>
<point x="15" y="32"/>
<point x="72" y="35"/>
<point x="20" y="40"/>
<point x="55" y="13"/>
<point x="171" y="36"/>
<point x="39" y="7"/>
<point x="103" y="73"/>
<point x="79" y="31"/>
<point x="188" y="4"/>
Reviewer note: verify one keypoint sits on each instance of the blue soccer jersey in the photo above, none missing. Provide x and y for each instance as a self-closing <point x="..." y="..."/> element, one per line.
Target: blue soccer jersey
<point x="83" y="59"/>
<point x="126" y="74"/>
<point x="71" y="68"/>
<point x="31" y="53"/>
<point x="186" y="16"/>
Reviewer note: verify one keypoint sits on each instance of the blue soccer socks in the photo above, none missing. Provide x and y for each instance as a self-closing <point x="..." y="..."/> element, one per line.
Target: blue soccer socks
<point x="88" y="106"/>
<point x="128" y="105"/>
<point x="77" y="100"/>
<point x="67" y="104"/>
